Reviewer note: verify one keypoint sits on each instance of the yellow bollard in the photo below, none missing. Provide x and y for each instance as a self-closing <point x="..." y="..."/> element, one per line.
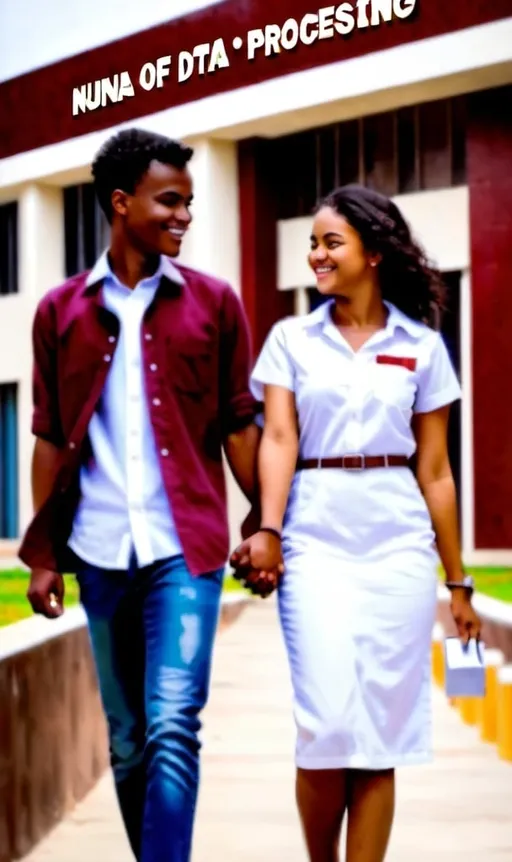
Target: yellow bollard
<point x="438" y="654"/>
<point x="468" y="708"/>
<point x="487" y="706"/>
<point x="504" y="717"/>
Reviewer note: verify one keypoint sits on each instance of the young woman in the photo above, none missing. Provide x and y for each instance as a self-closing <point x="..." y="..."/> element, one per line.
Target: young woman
<point x="352" y="391"/>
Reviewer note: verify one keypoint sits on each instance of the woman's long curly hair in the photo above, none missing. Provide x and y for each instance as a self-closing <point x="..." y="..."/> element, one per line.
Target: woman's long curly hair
<point x="407" y="278"/>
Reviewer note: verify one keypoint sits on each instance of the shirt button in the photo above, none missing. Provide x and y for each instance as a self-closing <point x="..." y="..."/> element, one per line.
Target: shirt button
<point x="107" y="357"/>
<point x="111" y="339"/>
<point x="148" y="336"/>
<point x="72" y="445"/>
<point x="156" y="402"/>
<point x="153" y="366"/>
<point x="164" y="452"/>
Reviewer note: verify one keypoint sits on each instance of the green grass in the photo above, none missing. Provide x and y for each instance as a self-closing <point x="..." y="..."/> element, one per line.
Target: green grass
<point x="14" y="605"/>
<point x="231" y="585"/>
<point x="13" y="587"/>
<point x="495" y="582"/>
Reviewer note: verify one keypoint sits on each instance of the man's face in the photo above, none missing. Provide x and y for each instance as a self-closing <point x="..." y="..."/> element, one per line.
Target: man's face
<point x="157" y="215"/>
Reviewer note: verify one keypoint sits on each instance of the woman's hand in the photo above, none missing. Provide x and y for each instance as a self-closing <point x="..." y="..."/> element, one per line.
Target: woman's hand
<point x="266" y="552"/>
<point x="465" y="617"/>
<point x="258" y="562"/>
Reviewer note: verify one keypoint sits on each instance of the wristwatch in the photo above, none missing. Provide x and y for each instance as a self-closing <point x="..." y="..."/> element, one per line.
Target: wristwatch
<point x="467" y="583"/>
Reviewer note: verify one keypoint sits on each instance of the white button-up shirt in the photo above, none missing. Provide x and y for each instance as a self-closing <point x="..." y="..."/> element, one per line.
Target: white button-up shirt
<point x="357" y="402"/>
<point x="124" y="506"/>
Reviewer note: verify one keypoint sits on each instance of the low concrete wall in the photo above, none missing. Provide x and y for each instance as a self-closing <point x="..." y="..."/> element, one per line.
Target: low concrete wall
<point x="53" y="741"/>
<point x="53" y="744"/>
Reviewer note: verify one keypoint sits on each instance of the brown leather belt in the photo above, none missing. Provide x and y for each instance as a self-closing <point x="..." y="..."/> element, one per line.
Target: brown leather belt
<point x="354" y="462"/>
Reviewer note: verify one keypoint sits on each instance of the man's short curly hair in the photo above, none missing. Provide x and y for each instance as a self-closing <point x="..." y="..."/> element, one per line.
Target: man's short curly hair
<point x="124" y="159"/>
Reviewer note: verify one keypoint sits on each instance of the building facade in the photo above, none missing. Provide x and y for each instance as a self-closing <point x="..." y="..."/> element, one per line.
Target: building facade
<point x="410" y="97"/>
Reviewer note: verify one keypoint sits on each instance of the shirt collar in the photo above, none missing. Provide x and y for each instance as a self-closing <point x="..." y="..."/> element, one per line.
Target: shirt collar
<point x="321" y="316"/>
<point x="398" y="320"/>
<point x="102" y="270"/>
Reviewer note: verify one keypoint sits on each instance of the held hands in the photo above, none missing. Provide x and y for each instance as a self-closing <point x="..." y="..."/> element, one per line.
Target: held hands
<point x="258" y="562"/>
<point x="464" y="615"/>
<point x="46" y="593"/>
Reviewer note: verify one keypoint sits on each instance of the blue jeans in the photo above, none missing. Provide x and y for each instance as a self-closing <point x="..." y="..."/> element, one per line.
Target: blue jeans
<point x="152" y="631"/>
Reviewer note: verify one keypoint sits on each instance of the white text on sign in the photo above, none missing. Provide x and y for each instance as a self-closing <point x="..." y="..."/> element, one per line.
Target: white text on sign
<point x="328" y="22"/>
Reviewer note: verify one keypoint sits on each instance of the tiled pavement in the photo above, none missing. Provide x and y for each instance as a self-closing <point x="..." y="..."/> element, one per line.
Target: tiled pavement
<point x="460" y="808"/>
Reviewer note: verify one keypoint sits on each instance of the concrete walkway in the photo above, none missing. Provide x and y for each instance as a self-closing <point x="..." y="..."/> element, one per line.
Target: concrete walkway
<point x="457" y="810"/>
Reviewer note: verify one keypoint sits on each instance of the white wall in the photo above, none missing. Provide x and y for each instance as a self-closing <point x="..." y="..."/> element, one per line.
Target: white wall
<point x="35" y="33"/>
<point x="212" y="244"/>
<point x="41" y="266"/>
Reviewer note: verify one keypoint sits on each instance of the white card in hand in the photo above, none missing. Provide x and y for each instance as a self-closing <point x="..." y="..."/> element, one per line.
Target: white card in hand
<point x="464" y="668"/>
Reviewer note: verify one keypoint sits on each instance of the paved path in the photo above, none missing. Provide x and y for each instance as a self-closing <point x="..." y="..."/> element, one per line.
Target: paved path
<point x="457" y="810"/>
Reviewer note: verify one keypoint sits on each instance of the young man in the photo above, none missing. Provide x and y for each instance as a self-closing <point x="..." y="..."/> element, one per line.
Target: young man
<point x="141" y="373"/>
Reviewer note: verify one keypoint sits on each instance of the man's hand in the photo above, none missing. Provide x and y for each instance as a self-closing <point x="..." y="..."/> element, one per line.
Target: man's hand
<point x="251" y="523"/>
<point x="241" y="557"/>
<point x="258" y="563"/>
<point x="257" y="582"/>
<point x="46" y="593"/>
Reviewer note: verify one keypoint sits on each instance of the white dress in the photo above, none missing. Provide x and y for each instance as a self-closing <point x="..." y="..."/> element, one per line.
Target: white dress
<point x="357" y="600"/>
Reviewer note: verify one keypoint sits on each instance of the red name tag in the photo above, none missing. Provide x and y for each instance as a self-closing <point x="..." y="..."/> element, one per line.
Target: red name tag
<point x="404" y="361"/>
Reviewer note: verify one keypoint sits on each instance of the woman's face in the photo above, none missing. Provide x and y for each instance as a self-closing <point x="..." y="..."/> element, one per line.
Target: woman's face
<point x="337" y="257"/>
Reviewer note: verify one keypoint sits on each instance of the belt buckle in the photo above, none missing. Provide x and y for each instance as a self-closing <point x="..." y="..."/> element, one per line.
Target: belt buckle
<point x="354" y="455"/>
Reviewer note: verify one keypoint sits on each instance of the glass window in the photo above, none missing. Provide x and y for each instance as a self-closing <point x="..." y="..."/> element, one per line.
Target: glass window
<point x="9" y="461"/>
<point x="435" y="145"/>
<point x="408" y="179"/>
<point x="398" y="152"/>
<point x="458" y="127"/>
<point x="85" y="228"/>
<point x="348" y="150"/>
<point x="326" y="141"/>
<point x="380" y="168"/>
<point x="8" y="248"/>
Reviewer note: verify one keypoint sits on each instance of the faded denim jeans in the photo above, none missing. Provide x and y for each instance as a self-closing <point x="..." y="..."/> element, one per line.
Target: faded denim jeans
<point x="152" y="631"/>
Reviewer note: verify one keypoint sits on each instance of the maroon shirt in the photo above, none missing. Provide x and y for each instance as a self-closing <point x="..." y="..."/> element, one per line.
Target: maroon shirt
<point x="197" y="336"/>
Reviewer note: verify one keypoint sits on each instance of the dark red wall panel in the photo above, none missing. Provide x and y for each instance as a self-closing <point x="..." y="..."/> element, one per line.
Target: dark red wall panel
<point x="36" y="108"/>
<point x="490" y="180"/>
<point x="264" y="304"/>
